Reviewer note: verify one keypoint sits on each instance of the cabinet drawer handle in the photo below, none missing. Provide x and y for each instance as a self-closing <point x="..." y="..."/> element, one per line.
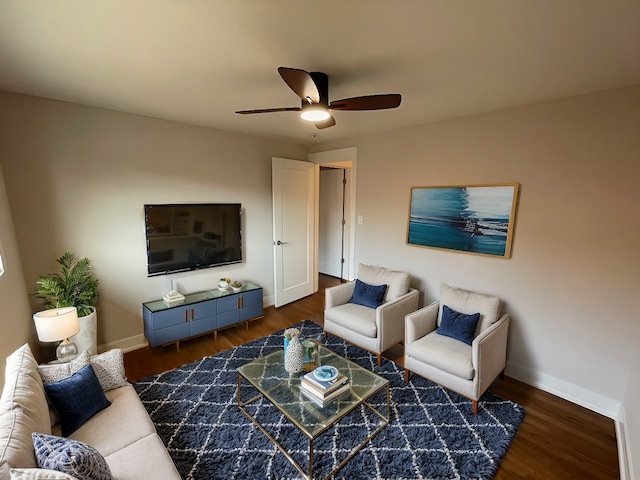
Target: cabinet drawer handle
<point x="185" y="316"/>
<point x="192" y="314"/>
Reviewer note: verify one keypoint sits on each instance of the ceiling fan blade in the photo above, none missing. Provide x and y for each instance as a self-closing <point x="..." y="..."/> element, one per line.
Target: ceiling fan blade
<point x="269" y="110"/>
<point x="301" y="83"/>
<point x="329" y="122"/>
<point x="368" y="102"/>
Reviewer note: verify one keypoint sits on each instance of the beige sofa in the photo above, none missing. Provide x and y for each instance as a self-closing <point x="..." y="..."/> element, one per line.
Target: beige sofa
<point x="122" y="433"/>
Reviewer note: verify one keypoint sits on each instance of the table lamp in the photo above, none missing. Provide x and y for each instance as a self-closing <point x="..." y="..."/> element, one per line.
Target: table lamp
<point x="59" y="324"/>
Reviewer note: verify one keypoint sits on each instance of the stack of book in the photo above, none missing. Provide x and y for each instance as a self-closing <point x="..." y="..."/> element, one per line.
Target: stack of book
<point x="173" y="298"/>
<point x="322" y="392"/>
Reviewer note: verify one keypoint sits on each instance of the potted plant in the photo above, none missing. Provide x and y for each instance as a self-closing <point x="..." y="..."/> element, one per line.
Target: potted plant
<point x="73" y="286"/>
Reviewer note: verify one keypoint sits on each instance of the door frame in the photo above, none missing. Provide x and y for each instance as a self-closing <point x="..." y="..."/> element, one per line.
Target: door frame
<point x="343" y="158"/>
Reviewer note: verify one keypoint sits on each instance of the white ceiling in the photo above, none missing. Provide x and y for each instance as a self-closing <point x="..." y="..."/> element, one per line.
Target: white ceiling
<point x="198" y="61"/>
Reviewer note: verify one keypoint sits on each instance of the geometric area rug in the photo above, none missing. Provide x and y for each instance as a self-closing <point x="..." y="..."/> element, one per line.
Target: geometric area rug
<point x="433" y="433"/>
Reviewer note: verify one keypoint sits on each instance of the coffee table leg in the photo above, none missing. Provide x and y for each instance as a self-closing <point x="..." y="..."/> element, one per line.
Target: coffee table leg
<point x="309" y="474"/>
<point x="385" y="422"/>
<point x="311" y="459"/>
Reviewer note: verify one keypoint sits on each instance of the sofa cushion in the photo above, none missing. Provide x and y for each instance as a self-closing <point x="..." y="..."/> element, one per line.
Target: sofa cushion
<point x="368" y="295"/>
<point x="469" y="303"/>
<point x="354" y="317"/>
<point x="108" y="367"/>
<point x="118" y="426"/>
<point x="398" y="282"/>
<point x="445" y="353"/>
<point x="38" y="474"/>
<point x="55" y="372"/>
<point x="16" y="446"/>
<point x="23" y="389"/>
<point x="70" y="456"/>
<point x="458" y="325"/>
<point x="77" y="398"/>
<point x="146" y="458"/>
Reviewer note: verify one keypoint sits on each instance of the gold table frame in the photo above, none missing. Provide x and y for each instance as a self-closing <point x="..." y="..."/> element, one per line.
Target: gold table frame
<point x="283" y="381"/>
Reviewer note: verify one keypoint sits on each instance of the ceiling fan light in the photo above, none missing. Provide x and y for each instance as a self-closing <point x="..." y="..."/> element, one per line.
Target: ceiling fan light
<point x="315" y="114"/>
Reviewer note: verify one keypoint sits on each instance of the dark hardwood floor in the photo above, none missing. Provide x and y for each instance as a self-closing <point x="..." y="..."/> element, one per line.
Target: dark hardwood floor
<point x="557" y="439"/>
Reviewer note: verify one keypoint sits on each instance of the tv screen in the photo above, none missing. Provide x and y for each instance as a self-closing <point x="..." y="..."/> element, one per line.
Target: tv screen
<point x="192" y="236"/>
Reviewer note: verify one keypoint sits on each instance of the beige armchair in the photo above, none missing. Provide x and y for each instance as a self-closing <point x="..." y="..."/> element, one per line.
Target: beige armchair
<point x="466" y="369"/>
<point x="374" y="329"/>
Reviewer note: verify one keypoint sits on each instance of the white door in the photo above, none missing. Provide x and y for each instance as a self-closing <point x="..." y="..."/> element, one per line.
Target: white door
<point x="295" y="203"/>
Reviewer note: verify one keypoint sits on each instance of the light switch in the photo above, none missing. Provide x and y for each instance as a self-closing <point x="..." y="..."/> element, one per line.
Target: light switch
<point x="360" y="220"/>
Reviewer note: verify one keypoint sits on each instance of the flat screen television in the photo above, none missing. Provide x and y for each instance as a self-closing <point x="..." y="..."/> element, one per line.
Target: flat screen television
<point x="192" y="236"/>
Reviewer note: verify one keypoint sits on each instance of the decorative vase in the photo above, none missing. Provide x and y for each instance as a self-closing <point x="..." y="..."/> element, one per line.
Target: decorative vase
<point x="294" y="357"/>
<point x="310" y="354"/>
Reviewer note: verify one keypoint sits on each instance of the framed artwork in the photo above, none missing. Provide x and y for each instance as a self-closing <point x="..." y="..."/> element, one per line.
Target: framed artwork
<point x="467" y="218"/>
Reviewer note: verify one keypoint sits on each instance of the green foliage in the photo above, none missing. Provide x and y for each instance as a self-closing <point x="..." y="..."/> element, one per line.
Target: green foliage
<point x="74" y="286"/>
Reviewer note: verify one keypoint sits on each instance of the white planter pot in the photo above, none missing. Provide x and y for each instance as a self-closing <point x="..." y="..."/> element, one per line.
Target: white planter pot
<point x="87" y="338"/>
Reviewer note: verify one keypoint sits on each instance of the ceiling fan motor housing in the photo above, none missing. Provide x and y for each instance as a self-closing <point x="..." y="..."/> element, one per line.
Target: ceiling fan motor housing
<point x="322" y="83"/>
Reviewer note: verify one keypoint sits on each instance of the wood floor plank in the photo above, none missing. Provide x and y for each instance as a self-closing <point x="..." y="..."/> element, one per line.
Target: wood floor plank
<point x="557" y="439"/>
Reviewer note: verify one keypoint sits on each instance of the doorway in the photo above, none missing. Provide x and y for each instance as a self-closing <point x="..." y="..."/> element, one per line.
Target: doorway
<point x="336" y="223"/>
<point x="333" y="239"/>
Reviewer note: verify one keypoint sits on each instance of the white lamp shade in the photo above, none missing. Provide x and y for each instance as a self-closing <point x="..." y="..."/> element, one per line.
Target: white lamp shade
<point x="56" y="324"/>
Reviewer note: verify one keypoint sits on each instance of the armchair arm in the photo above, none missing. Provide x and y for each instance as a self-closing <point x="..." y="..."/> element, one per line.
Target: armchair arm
<point x="390" y="317"/>
<point x="418" y="324"/>
<point x="489" y="353"/>
<point x="338" y="295"/>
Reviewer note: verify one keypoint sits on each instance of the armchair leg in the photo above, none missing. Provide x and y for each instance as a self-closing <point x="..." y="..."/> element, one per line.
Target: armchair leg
<point x="407" y="375"/>
<point x="379" y="359"/>
<point x="325" y="336"/>
<point x="474" y="404"/>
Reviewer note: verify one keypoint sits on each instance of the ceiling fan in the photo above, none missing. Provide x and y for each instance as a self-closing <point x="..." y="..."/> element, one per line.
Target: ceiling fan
<point x="313" y="90"/>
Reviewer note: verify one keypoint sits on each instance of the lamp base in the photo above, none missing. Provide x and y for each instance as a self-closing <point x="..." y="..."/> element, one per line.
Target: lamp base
<point x="66" y="351"/>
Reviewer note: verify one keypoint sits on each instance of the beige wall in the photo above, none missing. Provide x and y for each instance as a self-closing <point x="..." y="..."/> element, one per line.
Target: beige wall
<point x="77" y="179"/>
<point x="574" y="276"/>
<point x="15" y="321"/>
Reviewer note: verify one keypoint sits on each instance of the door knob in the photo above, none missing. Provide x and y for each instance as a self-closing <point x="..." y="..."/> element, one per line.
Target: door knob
<point x="282" y="243"/>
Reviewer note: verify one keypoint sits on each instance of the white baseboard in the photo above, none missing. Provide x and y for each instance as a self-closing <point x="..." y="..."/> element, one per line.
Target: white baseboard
<point x="624" y="455"/>
<point x="585" y="398"/>
<point x="330" y="269"/>
<point x="126" y="344"/>
<point x="268" y="301"/>
<point x="573" y="393"/>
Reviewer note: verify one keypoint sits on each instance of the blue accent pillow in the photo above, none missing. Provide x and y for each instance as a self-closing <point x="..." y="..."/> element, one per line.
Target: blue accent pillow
<point x="458" y="325"/>
<point x="77" y="398"/>
<point x="72" y="457"/>
<point x="368" y="295"/>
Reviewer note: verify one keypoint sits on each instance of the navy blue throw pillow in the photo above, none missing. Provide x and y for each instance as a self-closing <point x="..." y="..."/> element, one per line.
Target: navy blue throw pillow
<point x="368" y="295"/>
<point x="458" y="325"/>
<point x="77" y="398"/>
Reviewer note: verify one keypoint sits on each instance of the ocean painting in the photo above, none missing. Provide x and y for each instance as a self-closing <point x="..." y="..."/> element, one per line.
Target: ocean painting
<point x="475" y="219"/>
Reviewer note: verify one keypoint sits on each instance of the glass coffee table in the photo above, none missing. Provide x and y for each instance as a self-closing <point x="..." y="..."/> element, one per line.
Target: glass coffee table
<point x="268" y="376"/>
